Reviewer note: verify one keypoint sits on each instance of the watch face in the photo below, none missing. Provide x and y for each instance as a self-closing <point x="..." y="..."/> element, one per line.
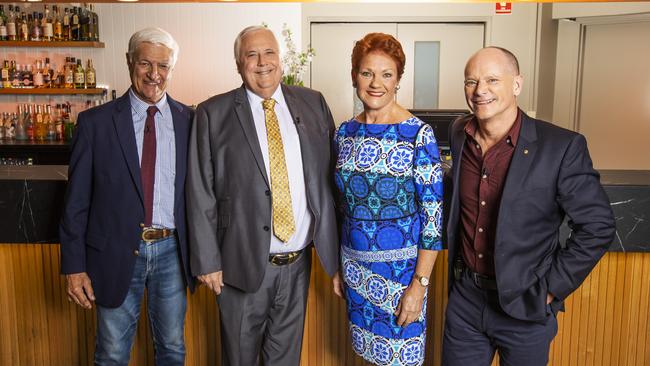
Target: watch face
<point x="424" y="281"/>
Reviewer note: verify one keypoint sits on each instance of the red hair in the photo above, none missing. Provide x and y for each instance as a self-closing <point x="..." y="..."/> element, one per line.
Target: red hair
<point x="379" y="42"/>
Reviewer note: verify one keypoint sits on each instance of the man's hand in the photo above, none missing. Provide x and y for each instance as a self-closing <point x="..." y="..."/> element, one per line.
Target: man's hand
<point x="549" y="298"/>
<point x="213" y="280"/>
<point x="410" y="305"/>
<point x="337" y="284"/>
<point x="79" y="289"/>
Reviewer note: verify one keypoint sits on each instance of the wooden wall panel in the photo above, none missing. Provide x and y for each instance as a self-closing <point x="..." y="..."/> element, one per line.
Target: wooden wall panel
<point x="607" y="320"/>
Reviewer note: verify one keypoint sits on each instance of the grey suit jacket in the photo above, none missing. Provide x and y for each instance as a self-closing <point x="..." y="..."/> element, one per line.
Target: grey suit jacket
<point x="228" y="191"/>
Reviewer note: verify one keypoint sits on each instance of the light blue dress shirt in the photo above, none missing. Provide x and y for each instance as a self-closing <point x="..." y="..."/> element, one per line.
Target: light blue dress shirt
<point x="163" y="189"/>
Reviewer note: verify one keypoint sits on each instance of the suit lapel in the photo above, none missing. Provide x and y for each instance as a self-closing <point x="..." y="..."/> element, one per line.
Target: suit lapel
<point x="123" y="122"/>
<point x="522" y="159"/>
<point x="245" y="117"/>
<point x="180" y="119"/>
<point x="306" y="148"/>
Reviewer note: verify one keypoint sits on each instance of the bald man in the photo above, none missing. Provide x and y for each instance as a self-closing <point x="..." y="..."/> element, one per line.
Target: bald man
<point x="515" y="180"/>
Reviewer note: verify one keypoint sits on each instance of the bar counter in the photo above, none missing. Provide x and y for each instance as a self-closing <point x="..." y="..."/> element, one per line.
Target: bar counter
<point x="607" y="320"/>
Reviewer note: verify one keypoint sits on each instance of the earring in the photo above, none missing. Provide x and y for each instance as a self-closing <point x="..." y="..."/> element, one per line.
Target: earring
<point x="396" y="88"/>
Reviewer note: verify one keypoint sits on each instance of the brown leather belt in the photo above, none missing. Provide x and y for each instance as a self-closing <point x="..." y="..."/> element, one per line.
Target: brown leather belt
<point x="151" y="234"/>
<point x="283" y="259"/>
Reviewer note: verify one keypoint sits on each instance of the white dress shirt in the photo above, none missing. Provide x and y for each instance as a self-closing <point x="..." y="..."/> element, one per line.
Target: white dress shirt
<point x="293" y="157"/>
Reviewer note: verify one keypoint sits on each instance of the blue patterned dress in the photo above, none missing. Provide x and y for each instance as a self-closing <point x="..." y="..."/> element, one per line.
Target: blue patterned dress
<point x="389" y="180"/>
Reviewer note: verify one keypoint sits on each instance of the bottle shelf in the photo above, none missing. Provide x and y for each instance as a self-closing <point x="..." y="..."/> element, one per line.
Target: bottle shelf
<point x="88" y="44"/>
<point x="50" y="91"/>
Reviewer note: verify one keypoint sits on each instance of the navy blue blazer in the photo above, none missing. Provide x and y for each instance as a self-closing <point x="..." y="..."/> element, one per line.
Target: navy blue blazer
<point x="103" y="209"/>
<point x="550" y="177"/>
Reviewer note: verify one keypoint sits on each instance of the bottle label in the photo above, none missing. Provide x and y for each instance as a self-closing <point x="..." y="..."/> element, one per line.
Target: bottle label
<point x="79" y="77"/>
<point x="11" y="29"/>
<point x="58" y="30"/>
<point x="90" y="78"/>
<point x="5" y="75"/>
<point x="47" y="30"/>
<point x="69" y="78"/>
<point x="3" y="30"/>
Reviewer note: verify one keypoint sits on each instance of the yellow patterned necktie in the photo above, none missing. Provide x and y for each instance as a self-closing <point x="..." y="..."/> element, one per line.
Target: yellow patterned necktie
<point x="283" y="225"/>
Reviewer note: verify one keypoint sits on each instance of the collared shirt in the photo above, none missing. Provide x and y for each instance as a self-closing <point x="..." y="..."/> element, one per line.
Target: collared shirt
<point x="481" y="182"/>
<point x="301" y="215"/>
<point x="163" y="189"/>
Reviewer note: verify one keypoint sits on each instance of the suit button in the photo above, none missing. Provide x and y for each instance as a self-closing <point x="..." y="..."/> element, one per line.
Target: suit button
<point x="267" y="192"/>
<point x="136" y="252"/>
<point x="266" y="228"/>
<point x="480" y="256"/>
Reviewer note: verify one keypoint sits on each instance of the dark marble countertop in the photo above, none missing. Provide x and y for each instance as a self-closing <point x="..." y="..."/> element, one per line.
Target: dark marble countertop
<point x="33" y="172"/>
<point x="625" y="177"/>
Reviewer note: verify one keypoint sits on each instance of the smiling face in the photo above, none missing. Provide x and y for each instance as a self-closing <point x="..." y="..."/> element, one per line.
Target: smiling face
<point x="150" y="69"/>
<point x="376" y="81"/>
<point x="492" y="85"/>
<point x="259" y="63"/>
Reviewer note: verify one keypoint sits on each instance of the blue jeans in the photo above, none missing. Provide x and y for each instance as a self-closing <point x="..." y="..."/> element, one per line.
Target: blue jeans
<point x="157" y="268"/>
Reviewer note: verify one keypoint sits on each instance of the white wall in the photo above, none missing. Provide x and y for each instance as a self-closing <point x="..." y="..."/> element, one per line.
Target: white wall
<point x="205" y="33"/>
<point x="516" y="32"/>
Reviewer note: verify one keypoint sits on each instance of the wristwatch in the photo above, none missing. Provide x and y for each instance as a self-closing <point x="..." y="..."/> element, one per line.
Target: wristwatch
<point x="424" y="281"/>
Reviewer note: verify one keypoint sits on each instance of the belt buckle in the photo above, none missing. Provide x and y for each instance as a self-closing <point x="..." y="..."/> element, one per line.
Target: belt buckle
<point x="147" y="231"/>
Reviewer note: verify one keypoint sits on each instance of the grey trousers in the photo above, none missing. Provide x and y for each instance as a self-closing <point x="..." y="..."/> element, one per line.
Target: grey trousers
<point x="266" y="325"/>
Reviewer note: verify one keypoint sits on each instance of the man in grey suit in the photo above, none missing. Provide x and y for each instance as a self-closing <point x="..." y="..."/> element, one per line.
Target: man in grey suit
<point x="259" y="193"/>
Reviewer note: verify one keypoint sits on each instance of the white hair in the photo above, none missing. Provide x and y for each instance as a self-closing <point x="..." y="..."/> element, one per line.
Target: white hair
<point x="243" y="33"/>
<point x="153" y="35"/>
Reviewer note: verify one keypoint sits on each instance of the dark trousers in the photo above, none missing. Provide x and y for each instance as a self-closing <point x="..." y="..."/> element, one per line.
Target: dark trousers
<point x="267" y="324"/>
<point x="476" y="327"/>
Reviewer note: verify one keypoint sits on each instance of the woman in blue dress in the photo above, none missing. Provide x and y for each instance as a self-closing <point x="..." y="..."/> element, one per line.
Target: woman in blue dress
<point x="389" y="181"/>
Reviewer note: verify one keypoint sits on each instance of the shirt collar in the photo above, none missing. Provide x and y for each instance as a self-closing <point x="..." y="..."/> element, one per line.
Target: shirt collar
<point x="256" y="100"/>
<point x="512" y="136"/>
<point x="140" y="106"/>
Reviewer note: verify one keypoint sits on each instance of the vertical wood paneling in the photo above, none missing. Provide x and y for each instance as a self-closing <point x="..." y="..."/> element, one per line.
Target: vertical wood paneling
<point x="606" y="323"/>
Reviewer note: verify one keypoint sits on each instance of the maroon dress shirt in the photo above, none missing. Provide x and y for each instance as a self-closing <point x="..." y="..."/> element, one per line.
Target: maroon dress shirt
<point x="481" y="182"/>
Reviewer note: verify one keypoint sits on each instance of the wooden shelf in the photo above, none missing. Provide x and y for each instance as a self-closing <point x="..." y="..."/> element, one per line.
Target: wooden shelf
<point x="89" y="44"/>
<point x="50" y="91"/>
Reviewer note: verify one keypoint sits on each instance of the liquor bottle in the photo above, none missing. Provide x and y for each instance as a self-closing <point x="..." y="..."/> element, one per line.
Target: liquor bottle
<point x="17" y="131"/>
<point x="84" y="23"/>
<point x="68" y="74"/>
<point x="41" y="129"/>
<point x="49" y="123"/>
<point x="28" y="77"/>
<point x="67" y="30"/>
<point x="48" y="27"/>
<point x="3" y="24"/>
<point x="4" y="73"/>
<point x="23" y="30"/>
<point x="74" y="25"/>
<point x="68" y="125"/>
<point x="91" y="81"/>
<point x="11" y="24"/>
<point x="58" y="24"/>
<point x="35" y="31"/>
<point x="29" y="124"/>
<point x="17" y="77"/>
<point x="48" y="74"/>
<point x="79" y="76"/>
<point x="94" y="24"/>
<point x="38" y="75"/>
<point x="58" y="123"/>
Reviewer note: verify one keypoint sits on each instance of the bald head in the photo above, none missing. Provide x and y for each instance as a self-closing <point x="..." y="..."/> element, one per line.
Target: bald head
<point x="492" y="84"/>
<point x="500" y="55"/>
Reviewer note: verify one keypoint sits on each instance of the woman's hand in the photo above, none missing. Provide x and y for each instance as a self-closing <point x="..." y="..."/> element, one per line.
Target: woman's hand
<point x="410" y="305"/>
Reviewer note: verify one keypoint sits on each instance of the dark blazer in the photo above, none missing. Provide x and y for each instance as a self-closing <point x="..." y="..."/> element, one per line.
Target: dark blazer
<point x="228" y="191"/>
<point x="550" y="177"/>
<point x="100" y="227"/>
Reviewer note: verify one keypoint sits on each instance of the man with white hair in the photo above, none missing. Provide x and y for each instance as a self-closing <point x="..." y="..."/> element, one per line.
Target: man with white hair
<point x="259" y="195"/>
<point x="123" y="225"/>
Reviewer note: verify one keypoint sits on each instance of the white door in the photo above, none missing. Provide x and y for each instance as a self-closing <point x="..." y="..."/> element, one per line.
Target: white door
<point x="435" y="58"/>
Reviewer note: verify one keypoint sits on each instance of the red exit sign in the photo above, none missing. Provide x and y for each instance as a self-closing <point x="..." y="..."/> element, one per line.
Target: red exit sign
<point x="504" y="8"/>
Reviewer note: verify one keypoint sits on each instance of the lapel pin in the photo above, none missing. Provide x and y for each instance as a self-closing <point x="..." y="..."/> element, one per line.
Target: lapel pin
<point x="525" y="151"/>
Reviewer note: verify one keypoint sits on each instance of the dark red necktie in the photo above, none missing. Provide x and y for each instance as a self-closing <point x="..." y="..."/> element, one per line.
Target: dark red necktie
<point x="148" y="164"/>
